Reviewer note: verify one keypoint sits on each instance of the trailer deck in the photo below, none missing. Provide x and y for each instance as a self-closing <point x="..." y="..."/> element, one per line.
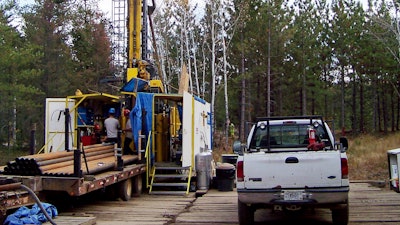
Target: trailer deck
<point x="126" y="182"/>
<point x="76" y="186"/>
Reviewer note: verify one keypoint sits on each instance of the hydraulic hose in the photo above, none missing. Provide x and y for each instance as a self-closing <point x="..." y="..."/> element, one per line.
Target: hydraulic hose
<point x="14" y="186"/>
<point x="39" y="203"/>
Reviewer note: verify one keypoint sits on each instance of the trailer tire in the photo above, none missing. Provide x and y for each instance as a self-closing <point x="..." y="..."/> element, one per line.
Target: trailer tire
<point x="137" y="186"/>
<point x="125" y="189"/>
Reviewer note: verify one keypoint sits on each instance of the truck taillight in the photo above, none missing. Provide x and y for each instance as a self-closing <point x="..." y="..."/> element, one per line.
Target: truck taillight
<point x="239" y="171"/>
<point x="345" y="168"/>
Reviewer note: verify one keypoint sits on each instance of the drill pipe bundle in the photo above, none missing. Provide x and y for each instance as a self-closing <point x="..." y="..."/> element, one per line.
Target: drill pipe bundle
<point x="98" y="157"/>
<point x="94" y="166"/>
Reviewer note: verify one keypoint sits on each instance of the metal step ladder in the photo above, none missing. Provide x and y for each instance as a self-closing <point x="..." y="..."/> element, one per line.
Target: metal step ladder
<point x="170" y="180"/>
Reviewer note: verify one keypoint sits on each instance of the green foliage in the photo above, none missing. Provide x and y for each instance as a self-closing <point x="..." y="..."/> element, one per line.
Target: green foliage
<point x="38" y="61"/>
<point x="11" y="153"/>
<point x="333" y="58"/>
<point x="91" y="50"/>
<point x="18" y="80"/>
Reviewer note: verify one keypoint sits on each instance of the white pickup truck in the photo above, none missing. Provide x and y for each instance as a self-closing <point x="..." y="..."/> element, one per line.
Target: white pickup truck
<point x="292" y="163"/>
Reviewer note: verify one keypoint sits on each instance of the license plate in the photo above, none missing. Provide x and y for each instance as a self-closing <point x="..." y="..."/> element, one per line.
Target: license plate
<point x="292" y="195"/>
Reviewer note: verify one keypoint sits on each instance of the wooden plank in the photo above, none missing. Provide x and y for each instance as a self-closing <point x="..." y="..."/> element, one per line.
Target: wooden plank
<point x="143" y="210"/>
<point x="73" y="219"/>
<point x="184" y="80"/>
<point x="369" y="205"/>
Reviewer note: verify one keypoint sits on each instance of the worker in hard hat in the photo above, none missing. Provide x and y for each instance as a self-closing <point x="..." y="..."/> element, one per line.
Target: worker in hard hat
<point x="128" y="134"/>
<point x="96" y="135"/>
<point x="112" y="126"/>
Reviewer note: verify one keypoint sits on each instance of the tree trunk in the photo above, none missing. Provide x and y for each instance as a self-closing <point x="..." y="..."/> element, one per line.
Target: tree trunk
<point x="304" y="94"/>
<point x="225" y="84"/>
<point x="14" y="122"/>
<point x="361" y="127"/>
<point x="354" y="106"/>
<point x="204" y="71"/>
<point x="187" y="45"/>
<point x="325" y="95"/>
<point x="376" y="107"/>
<point x="342" y="122"/>
<point x="195" y="65"/>
<point x="269" y="70"/>
<point x="392" y="111"/>
<point x="243" y="94"/>
<point x="213" y="66"/>
<point x="384" y="111"/>
<point x="379" y="119"/>
<point x="398" y="104"/>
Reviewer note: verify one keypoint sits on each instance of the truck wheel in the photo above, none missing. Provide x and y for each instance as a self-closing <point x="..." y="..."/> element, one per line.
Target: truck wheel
<point x="246" y="214"/>
<point x="125" y="189"/>
<point x="137" y="186"/>
<point x="340" y="216"/>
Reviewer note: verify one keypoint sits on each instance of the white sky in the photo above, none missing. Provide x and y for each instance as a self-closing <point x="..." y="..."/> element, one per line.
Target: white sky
<point x="106" y="5"/>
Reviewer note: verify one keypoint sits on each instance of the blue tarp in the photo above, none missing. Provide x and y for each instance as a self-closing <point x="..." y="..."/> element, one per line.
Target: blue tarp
<point x="24" y="215"/>
<point x="144" y="104"/>
<point x="200" y="100"/>
<point x="135" y="85"/>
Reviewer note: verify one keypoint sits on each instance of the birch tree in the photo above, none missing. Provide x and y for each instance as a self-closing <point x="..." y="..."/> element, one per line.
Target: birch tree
<point x="212" y="9"/>
<point x="176" y="25"/>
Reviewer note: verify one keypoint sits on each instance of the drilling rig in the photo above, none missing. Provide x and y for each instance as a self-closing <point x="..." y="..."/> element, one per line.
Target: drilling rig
<point x="131" y="43"/>
<point x="171" y="131"/>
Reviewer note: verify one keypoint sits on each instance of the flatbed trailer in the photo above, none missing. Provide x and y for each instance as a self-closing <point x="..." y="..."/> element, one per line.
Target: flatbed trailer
<point x="76" y="186"/>
<point x="124" y="183"/>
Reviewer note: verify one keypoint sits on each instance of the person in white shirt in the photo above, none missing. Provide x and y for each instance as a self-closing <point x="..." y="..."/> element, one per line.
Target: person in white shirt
<point x="112" y="126"/>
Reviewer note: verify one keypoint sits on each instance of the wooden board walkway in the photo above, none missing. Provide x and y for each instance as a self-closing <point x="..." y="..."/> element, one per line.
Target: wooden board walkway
<point x="369" y="205"/>
<point x="69" y="219"/>
<point x="143" y="210"/>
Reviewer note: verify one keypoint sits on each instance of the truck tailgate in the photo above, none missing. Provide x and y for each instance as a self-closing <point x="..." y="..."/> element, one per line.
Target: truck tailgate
<point x="292" y="170"/>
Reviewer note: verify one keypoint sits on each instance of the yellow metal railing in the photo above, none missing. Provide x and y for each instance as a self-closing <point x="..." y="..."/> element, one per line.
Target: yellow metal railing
<point x="42" y="149"/>
<point x="189" y="180"/>
<point x="148" y="162"/>
<point x="153" y="174"/>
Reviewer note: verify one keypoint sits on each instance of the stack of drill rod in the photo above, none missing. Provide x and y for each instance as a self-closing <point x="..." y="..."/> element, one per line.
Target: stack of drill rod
<point x="96" y="158"/>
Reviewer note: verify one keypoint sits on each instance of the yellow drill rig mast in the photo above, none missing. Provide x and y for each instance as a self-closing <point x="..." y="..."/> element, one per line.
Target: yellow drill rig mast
<point x="138" y="63"/>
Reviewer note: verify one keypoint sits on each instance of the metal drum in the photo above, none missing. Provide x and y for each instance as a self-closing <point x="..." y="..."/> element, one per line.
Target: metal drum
<point x="203" y="169"/>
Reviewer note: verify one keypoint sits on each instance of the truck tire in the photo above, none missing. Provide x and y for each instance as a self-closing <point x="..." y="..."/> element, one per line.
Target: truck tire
<point x="246" y="214"/>
<point x="125" y="189"/>
<point x="340" y="216"/>
<point x="137" y="186"/>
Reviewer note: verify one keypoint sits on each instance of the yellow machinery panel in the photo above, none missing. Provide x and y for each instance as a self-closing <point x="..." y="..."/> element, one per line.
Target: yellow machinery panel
<point x="157" y="83"/>
<point x="131" y="73"/>
<point x="159" y="137"/>
<point x="135" y="27"/>
<point x="175" y="122"/>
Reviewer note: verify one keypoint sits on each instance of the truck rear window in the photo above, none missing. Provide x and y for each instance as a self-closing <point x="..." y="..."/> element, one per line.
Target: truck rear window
<point x="285" y="136"/>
